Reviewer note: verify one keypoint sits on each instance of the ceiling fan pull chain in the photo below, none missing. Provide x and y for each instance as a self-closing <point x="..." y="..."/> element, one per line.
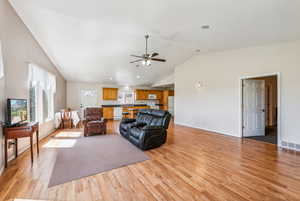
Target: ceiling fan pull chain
<point x="147" y="36"/>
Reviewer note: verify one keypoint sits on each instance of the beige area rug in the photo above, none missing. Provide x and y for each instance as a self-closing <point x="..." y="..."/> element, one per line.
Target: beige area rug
<point x="92" y="155"/>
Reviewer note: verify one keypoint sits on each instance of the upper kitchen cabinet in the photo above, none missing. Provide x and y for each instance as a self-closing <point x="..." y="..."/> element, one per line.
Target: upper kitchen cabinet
<point x="141" y="94"/>
<point x="171" y="92"/>
<point x="110" y="93"/>
<point x="158" y="94"/>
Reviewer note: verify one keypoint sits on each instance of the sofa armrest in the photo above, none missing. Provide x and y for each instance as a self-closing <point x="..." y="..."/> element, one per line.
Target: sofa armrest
<point x="126" y="121"/>
<point x="138" y="124"/>
<point x="157" y="128"/>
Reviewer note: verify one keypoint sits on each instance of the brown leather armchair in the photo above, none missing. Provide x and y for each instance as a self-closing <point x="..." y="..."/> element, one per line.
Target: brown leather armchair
<point x="94" y="122"/>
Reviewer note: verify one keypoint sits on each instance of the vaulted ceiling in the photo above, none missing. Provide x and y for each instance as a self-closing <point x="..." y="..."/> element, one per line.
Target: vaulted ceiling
<point x="91" y="40"/>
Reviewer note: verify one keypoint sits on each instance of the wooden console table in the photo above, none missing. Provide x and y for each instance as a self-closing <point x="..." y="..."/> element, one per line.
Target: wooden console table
<point x="25" y="130"/>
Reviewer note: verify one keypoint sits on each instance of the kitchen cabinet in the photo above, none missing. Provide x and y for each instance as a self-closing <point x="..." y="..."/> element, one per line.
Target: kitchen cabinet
<point x="158" y="94"/>
<point x="141" y="94"/>
<point x="110" y="93"/>
<point x="165" y="100"/>
<point x="108" y="112"/>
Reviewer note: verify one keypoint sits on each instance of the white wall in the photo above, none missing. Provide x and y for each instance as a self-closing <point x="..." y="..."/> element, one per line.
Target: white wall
<point x="165" y="81"/>
<point x="19" y="47"/>
<point x="73" y="93"/>
<point x="216" y="106"/>
<point x="2" y="93"/>
<point x="2" y="112"/>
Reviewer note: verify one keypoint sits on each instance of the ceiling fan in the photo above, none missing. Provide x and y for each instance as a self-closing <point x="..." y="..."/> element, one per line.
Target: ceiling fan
<point x="147" y="58"/>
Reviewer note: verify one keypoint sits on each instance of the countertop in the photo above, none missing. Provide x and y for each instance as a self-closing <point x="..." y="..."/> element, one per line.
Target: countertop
<point x="131" y="109"/>
<point x="125" y="105"/>
<point x="128" y="105"/>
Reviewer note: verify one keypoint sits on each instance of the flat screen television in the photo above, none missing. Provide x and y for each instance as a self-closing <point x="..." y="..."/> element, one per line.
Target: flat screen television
<point x="17" y="111"/>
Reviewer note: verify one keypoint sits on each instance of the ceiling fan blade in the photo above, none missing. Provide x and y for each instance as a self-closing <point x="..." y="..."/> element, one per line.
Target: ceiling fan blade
<point x="136" y="61"/>
<point x="156" y="59"/>
<point x="154" y="54"/>
<point x="137" y="56"/>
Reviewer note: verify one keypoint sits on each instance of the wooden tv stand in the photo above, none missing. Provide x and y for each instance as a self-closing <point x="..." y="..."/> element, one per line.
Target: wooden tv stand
<point x="24" y="130"/>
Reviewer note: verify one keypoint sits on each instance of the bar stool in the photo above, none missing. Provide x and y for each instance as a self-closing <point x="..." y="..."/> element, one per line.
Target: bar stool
<point x="125" y="115"/>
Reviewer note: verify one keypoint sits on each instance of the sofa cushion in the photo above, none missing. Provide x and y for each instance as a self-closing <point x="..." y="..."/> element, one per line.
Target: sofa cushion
<point x="144" y="118"/>
<point x="95" y="122"/>
<point x="159" y="113"/>
<point x="126" y="127"/>
<point x="156" y="121"/>
<point x="139" y="124"/>
<point x="136" y="132"/>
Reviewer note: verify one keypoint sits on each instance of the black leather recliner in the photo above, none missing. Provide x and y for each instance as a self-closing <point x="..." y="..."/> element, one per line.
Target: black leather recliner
<point x="148" y="130"/>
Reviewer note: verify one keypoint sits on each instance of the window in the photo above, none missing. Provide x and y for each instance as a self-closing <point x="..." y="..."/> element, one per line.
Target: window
<point x="32" y="103"/>
<point x="45" y="106"/>
<point x="126" y="97"/>
<point x="42" y="87"/>
<point x="88" y="98"/>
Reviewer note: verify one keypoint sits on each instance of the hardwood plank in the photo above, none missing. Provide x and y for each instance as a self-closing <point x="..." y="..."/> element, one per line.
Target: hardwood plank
<point x="192" y="165"/>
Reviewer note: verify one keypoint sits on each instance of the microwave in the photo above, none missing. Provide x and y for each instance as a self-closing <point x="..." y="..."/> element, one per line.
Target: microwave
<point x="152" y="96"/>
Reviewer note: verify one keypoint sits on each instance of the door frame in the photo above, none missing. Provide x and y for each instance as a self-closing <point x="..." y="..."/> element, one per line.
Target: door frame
<point x="241" y="100"/>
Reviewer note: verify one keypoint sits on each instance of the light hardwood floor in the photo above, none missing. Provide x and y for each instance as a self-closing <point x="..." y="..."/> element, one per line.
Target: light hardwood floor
<point x="193" y="165"/>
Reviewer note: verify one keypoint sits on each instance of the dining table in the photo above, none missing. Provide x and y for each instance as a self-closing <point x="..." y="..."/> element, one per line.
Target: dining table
<point x="74" y="117"/>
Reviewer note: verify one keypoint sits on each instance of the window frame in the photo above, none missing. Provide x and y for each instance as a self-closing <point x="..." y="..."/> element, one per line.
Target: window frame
<point x="44" y="84"/>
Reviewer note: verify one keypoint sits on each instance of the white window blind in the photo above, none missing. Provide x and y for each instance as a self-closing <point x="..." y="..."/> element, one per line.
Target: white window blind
<point x="42" y="87"/>
<point x="40" y="77"/>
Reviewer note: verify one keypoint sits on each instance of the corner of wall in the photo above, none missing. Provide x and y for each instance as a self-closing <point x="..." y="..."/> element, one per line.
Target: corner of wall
<point x="1" y="169"/>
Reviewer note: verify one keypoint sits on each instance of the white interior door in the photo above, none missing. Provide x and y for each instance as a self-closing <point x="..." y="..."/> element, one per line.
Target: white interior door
<point x="88" y="98"/>
<point x="254" y="108"/>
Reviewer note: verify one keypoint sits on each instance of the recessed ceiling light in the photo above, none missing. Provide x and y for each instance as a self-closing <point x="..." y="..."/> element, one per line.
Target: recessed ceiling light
<point x="138" y="77"/>
<point x="205" y="26"/>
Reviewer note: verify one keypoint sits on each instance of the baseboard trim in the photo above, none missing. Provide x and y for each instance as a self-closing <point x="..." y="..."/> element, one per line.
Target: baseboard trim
<point x="283" y="145"/>
<point x="290" y="146"/>
<point x="206" y="129"/>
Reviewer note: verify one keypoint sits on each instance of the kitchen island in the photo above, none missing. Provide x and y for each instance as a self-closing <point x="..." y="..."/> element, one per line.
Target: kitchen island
<point x="114" y="111"/>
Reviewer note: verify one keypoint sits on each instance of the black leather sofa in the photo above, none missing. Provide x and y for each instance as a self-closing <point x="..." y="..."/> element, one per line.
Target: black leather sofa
<point x="148" y="130"/>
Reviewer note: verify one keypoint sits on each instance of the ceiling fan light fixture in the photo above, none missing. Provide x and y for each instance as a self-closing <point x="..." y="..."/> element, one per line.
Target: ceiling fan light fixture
<point x="143" y="62"/>
<point x="146" y="59"/>
<point x="148" y="63"/>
